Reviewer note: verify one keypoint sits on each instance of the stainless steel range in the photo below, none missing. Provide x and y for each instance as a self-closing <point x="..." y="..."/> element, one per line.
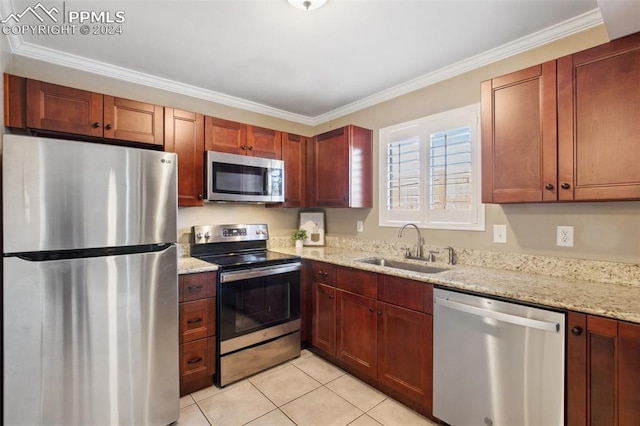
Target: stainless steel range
<point x="258" y="304"/>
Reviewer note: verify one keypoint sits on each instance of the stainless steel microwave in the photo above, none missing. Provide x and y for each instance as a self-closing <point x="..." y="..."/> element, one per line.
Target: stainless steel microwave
<point x="242" y="178"/>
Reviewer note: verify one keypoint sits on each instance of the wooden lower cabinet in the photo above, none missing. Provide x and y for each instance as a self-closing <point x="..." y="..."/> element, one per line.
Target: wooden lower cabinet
<point x="197" y="304"/>
<point x="603" y="371"/>
<point x="356" y="332"/>
<point x="405" y="352"/>
<point x="323" y="326"/>
<point x="387" y="345"/>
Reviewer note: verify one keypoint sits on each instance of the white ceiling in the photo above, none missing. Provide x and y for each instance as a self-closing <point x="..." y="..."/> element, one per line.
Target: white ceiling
<point x="266" y="56"/>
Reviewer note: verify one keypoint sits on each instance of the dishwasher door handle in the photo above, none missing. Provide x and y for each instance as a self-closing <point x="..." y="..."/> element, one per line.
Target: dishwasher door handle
<point x="553" y="327"/>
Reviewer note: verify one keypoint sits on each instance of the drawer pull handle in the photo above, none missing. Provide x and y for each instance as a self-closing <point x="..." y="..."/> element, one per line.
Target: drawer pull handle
<point x="331" y="296"/>
<point x="194" y="360"/>
<point x="371" y="310"/>
<point x="323" y="274"/>
<point x="195" y="287"/>
<point x="194" y="321"/>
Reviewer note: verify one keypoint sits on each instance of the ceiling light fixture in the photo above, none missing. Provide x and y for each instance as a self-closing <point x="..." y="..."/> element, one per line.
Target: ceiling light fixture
<point x="307" y="4"/>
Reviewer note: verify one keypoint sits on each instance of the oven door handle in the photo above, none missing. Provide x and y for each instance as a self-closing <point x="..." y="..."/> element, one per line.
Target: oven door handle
<point x="245" y="274"/>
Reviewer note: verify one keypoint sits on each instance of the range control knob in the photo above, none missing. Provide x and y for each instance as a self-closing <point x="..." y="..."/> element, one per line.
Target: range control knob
<point x="199" y="235"/>
<point x="207" y="235"/>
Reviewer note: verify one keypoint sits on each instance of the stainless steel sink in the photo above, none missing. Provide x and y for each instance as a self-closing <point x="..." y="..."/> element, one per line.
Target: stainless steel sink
<point x="380" y="261"/>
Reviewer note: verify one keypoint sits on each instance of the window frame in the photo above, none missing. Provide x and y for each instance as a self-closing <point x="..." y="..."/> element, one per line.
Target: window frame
<point x="424" y="127"/>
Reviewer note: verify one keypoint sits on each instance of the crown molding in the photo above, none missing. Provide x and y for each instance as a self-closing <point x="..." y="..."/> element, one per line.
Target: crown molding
<point x="575" y="25"/>
<point x="572" y="26"/>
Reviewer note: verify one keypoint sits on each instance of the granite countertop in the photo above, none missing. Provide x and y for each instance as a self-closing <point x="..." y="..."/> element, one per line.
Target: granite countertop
<point x="611" y="300"/>
<point x="191" y="265"/>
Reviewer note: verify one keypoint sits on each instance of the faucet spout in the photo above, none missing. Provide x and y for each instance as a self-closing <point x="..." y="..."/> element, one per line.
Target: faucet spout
<point x="419" y="251"/>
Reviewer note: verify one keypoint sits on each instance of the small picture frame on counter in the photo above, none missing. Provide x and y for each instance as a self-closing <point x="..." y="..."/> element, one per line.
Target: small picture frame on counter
<point x="313" y="221"/>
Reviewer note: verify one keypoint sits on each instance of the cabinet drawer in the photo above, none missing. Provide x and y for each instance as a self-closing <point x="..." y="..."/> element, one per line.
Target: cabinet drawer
<point x="324" y="273"/>
<point x="358" y="281"/>
<point x="409" y="294"/>
<point x="197" y="286"/>
<point x="197" y="359"/>
<point x="197" y="319"/>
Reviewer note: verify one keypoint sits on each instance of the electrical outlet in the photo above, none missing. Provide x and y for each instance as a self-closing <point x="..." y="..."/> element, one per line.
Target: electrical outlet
<point x="359" y="226"/>
<point x="564" y="236"/>
<point x="500" y="234"/>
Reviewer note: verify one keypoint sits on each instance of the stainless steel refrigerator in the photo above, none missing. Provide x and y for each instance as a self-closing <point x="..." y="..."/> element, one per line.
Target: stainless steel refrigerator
<point x="90" y="289"/>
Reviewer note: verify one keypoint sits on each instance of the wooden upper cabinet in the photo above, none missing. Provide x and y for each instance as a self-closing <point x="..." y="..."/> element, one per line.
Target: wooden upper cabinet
<point x="133" y="121"/>
<point x="294" y="148"/>
<point x="598" y="122"/>
<point x="184" y="135"/>
<point x="15" y="101"/>
<point x="63" y="109"/>
<point x="51" y="107"/>
<point x="225" y="136"/>
<point x="242" y="139"/>
<point x="263" y="142"/>
<point x="342" y="168"/>
<point x="519" y="136"/>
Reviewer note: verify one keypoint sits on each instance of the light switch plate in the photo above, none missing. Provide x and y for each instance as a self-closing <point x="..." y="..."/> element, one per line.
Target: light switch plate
<point x="500" y="234"/>
<point x="359" y="226"/>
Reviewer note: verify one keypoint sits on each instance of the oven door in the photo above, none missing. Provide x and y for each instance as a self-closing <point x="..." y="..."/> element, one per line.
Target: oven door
<point x="258" y="304"/>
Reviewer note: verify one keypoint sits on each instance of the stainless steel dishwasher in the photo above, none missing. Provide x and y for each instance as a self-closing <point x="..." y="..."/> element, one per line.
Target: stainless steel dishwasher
<point x="496" y="363"/>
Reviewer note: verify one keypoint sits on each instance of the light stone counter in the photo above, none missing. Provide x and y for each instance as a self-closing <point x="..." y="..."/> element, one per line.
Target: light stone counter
<point x="620" y="301"/>
<point x="191" y="265"/>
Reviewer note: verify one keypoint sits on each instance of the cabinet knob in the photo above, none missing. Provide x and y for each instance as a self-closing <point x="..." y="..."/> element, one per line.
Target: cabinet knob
<point x="379" y="313"/>
<point x="250" y="148"/>
<point x="331" y="296"/>
<point x="576" y="331"/>
<point x="108" y="127"/>
<point x="244" y="147"/>
<point x="565" y="186"/>
<point x="371" y="309"/>
<point x="549" y="186"/>
<point x="346" y="198"/>
<point x="200" y="197"/>
<point x="95" y="125"/>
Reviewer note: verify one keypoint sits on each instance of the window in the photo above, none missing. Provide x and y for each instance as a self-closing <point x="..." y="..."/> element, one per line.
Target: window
<point x="430" y="172"/>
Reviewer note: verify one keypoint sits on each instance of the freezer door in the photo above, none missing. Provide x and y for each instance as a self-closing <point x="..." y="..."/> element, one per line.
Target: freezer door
<point x="60" y="195"/>
<point x="91" y="341"/>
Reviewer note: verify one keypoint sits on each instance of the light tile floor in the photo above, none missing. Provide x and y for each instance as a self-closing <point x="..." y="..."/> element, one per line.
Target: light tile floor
<point x="306" y="391"/>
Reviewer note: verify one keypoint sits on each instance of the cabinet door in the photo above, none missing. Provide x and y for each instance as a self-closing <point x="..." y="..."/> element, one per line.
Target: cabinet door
<point x="598" y="110"/>
<point x="519" y="136"/>
<point x="356" y="328"/>
<point x="184" y="135"/>
<point x="263" y="142"/>
<point x="331" y="169"/>
<point x="603" y="373"/>
<point x="342" y="173"/>
<point x="293" y="154"/>
<point x="133" y="121"/>
<point x="63" y="109"/>
<point x="324" y="318"/>
<point x="225" y="136"/>
<point x="405" y="352"/>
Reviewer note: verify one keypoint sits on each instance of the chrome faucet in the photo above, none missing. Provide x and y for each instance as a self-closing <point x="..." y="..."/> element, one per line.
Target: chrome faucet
<point x="419" y="251"/>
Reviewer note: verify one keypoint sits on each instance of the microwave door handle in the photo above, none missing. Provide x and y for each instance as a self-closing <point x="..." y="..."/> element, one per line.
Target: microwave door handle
<point x="269" y="181"/>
